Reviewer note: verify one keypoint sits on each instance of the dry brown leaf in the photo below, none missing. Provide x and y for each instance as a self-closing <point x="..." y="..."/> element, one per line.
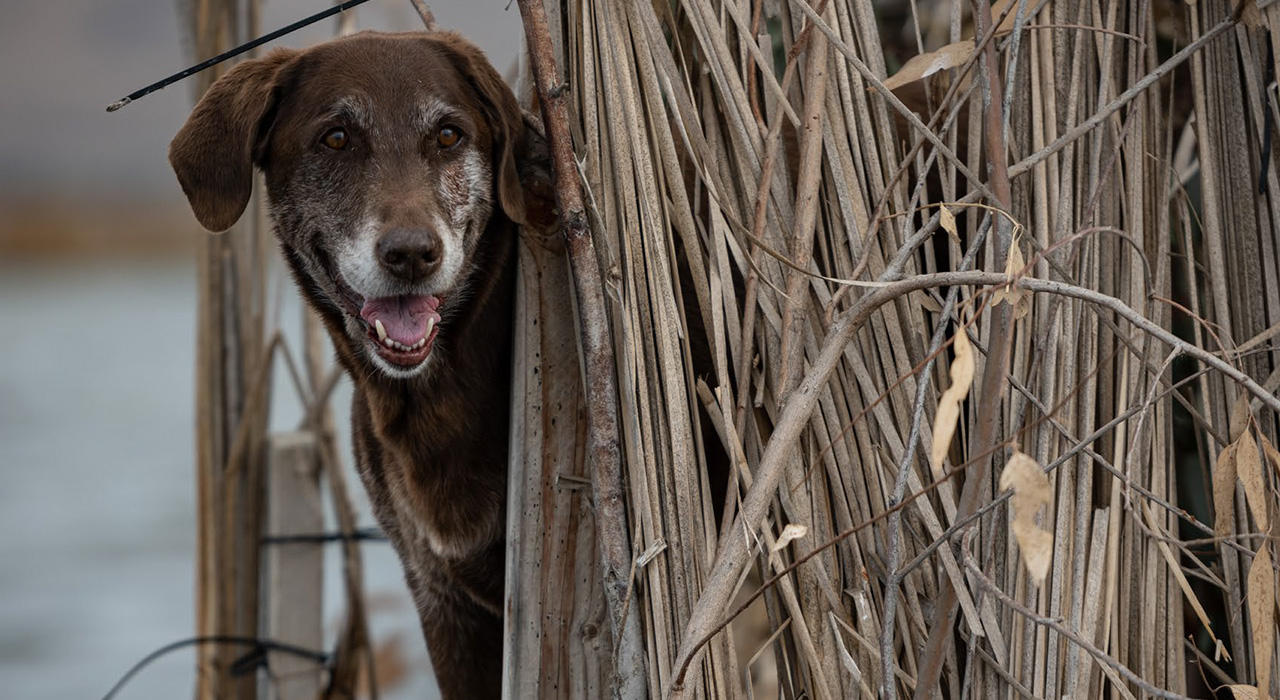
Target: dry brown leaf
<point x="947" y="221"/>
<point x="1262" y="610"/>
<point x="1239" y="416"/>
<point x="999" y="7"/>
<point x="1243" y="692"/>
<point x="1014" y="296"/>
<point x="794" y="531"/>
<point x="926" y="64"/>
<point x="944" y="423"/>
<point x="1273" y="455"/>
<point x="1030" y="491"/>
<point x="1224" y="492"/>
<point x="1249" y="468"/>
<point x="1250" y="15"/>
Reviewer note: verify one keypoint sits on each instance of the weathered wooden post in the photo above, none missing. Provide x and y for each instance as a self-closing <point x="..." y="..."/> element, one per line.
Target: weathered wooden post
<point x="232" y="396"/>
<point x="295" y="570"/>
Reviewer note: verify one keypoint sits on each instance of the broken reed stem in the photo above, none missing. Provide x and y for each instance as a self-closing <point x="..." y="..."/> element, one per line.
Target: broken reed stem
<point x="428" y="18"/>
<point x="630" y="679"/>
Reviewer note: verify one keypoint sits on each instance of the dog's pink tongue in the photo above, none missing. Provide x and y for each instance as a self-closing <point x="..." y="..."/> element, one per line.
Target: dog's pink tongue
<point x="403" y="318"/>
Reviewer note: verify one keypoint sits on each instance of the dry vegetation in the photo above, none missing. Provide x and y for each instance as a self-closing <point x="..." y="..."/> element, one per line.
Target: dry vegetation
<point x="1055" y="272"/>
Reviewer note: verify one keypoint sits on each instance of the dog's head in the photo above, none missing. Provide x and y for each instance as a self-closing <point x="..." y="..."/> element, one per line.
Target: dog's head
<point x="387" y="159"/>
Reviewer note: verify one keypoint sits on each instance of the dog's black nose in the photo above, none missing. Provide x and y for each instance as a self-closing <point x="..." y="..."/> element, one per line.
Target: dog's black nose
<point x="410" y="254"/>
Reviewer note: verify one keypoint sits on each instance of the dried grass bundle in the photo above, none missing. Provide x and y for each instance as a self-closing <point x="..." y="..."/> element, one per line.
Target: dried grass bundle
<point x="1052" y="277"/>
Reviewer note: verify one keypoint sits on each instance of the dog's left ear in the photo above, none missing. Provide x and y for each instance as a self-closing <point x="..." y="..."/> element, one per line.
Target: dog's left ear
<point x="505" y="119"/>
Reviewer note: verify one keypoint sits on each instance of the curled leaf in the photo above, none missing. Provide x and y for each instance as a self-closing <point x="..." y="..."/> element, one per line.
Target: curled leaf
<point x="1014" y="296"/>
<point x="794" y="531"/>
<point x="1250" y="15"/>
<point x="926" y="64"/>
<point x="944" y="422"/>
<point x="947" y="221"/>
<point x="1030" y="491"/>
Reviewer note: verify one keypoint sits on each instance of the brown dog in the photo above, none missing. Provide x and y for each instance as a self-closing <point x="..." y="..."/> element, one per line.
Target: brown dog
<point x="392" y="164"/>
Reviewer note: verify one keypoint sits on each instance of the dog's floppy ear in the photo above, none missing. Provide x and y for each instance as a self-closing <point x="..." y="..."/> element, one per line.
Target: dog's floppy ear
<point x="505" y="119"/>
<point x="214" y="152"/>
<point x="537" y="179"/>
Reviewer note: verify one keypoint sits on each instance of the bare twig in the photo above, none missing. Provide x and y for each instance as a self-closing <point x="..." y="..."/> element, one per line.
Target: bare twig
<point x="428" y="18"/>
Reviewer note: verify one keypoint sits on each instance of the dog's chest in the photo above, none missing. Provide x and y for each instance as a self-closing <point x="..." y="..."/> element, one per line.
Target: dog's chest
<point x="436" y="482"/>
<point x="446" y="523"/>
<point x="450" y="520"/>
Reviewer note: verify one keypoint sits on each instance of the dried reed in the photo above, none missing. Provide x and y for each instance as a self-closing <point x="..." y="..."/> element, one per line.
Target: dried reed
<point x="1067" y="262"/>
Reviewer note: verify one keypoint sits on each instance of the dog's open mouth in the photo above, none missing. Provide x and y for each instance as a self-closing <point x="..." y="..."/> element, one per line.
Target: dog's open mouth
<point x="402" y="328"/>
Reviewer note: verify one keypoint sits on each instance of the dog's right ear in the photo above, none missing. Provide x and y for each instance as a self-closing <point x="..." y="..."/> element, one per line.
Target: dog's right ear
<point x="214" y="152"/>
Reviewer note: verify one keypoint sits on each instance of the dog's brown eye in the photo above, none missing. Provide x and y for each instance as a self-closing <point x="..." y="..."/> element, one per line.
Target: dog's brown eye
<point x="448" y="137"/>
<point x="335" y="139"/>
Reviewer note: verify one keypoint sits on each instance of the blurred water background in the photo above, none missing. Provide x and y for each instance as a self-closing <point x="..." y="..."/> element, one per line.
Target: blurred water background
<point x="97" y="311"/>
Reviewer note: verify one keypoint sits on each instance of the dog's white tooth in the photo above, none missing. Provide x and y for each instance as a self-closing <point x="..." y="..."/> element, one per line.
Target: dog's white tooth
<point x="431" y="324"/>
<point x="389" y="342"/>
<point x="382" y="332"/>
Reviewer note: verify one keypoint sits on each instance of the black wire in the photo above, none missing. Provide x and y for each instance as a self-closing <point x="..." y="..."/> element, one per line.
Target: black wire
<point x="259" y="646"/>
<point x="233" y="53"/>
<point x="363" y="534"/>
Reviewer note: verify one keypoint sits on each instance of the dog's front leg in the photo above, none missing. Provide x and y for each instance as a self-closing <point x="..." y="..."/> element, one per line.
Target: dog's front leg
<point x="464" y="635"/>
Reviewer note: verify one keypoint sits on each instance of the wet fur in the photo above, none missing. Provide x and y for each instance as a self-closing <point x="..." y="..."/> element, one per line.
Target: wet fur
<point x="431" y="445"/>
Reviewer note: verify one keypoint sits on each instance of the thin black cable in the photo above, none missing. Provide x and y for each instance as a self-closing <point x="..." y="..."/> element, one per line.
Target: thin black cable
<point x="319" y="657"/>
<point x="233" y="53"/>
<point x="368" y="534"/>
